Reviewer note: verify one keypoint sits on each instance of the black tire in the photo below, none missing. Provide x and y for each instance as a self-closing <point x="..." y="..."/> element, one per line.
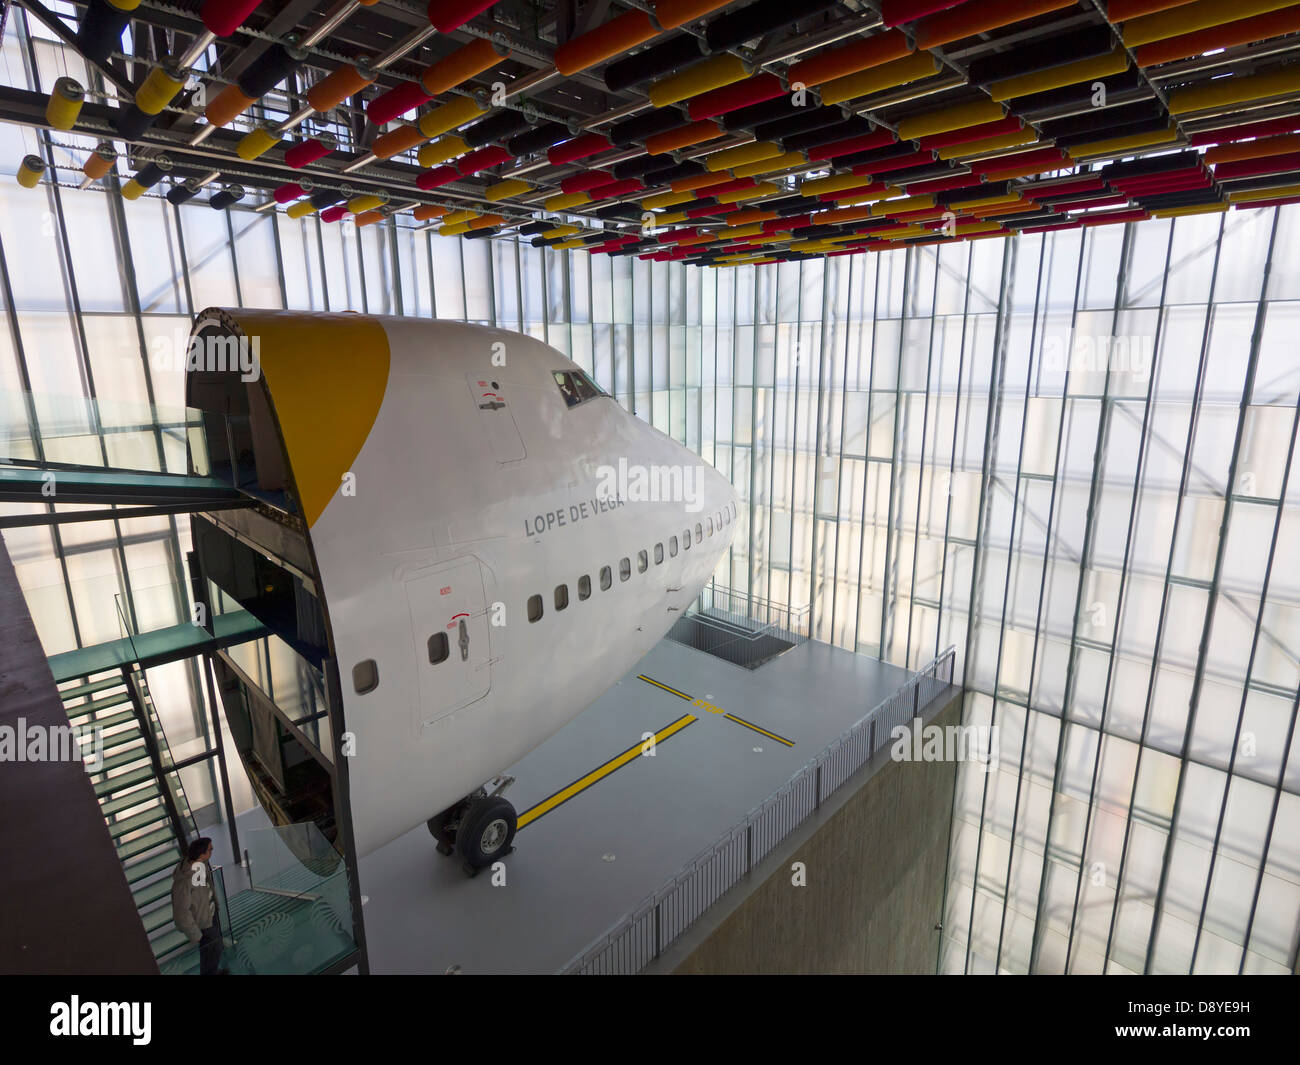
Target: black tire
<point x="486" y="831"/>
<point x="437" y="825"/>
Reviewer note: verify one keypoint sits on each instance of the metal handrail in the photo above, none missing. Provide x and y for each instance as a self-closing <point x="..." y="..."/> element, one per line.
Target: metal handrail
<point x="653" y="925"/>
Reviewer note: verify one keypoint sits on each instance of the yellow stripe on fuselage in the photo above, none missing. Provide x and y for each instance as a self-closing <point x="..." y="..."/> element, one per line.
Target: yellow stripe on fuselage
<point x="326" y="374"/>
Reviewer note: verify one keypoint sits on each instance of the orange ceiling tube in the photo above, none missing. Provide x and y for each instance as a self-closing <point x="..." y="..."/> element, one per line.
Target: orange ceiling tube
<point x="604" y="42"/>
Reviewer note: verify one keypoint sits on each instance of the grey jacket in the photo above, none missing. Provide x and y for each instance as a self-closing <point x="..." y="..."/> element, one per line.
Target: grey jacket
<point x="194" y="906"/>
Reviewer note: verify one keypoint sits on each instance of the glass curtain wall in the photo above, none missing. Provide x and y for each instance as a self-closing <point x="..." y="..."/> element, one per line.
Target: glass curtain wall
<point x="1069" y="455"/>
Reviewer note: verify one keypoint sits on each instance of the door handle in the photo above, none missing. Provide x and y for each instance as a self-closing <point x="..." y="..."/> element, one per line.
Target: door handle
<point x="464" y="641"/>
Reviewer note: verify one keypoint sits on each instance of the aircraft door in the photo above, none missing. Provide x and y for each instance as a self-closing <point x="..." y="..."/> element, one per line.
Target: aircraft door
<point x="489" y="395"/>
<point x="449" y="630"/>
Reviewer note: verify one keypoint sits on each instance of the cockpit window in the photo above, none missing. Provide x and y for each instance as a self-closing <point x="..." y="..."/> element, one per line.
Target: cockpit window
<point x="567" y="389"/>
<point x="576" y="387"/>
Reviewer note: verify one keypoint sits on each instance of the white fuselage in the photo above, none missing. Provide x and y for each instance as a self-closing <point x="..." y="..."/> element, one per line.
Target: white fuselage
<point x="478" y="488"/>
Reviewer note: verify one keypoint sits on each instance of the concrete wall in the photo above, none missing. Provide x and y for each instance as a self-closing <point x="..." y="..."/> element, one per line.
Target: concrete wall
<point x="875" y="857"/>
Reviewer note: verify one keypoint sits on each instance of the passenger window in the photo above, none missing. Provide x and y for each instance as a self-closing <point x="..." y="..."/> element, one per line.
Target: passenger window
<point x="672" y="547"/>
<point x="584" y="588"/>
<point x="699" y="532"/>
<point x="561" y="596"/>
<point x="659" y="554"/>
<point x="624" y="569"/>
<point x="710" y="526"/>
<point x="534" y="608"/>
<point x="733" y="509"/>
<point x="439" y="648"/>
<point x="606" y="578"/>
<point x="365" y="676"/>
<point x="642" y="561"/>
<point x="686" y="540"/>
<point x="719" y="517"/>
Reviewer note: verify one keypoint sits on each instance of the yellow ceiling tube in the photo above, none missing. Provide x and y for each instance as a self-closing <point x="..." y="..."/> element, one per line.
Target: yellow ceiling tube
<point x="440" y="151"/>
<point x="561" y="231"/>
<point x="1028" y="135"/>
<point x="503" y="189"/>
<point x="1115" y="62"/>
<point x="1222" y="92"/>
<point x="1188" y="18"/>
<point x="1118" y="145"/>
<point x="449" y="116"/>
<point x="565" y="200"/>
<point x="667" y="199"/>
<point x="877" y="79"/>
<point x="710" y="74"/>
<point x="745" y="153"/>
<point x="784" y="161"/>
<point x="1276" y="193"/>
<point x="950" y="118"/>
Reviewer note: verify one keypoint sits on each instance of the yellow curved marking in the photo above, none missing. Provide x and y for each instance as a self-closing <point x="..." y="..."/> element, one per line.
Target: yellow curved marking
<point x="327" y="374"/>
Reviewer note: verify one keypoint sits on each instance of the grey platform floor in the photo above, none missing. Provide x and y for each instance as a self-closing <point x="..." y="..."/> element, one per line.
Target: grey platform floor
<point x="583" y="865"/>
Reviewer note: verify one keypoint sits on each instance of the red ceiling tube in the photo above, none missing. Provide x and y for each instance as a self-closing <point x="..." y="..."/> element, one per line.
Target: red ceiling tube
<point x="735" y="185"/>
<point x="1079" y="202"/>
<point x="1059" y="188"/>
<point x="674" y="235"/>
<point x="733" y="97"/>
<point x="612" y="38"/>
<point x="1281" y="201"/>
<point x="223" y="17"/>
<point x="1194" y="170"/>
<point x="289" y="191"/>
<point x="862" y="54"/>
<point x="492" y="155"/>
<point x="784" y="225"/>
<point x="1246" y="132"/>
<point x="588" y="179"/>
<point x="1010" y="124"/>
<point x="333" y="214"/>
<point x="307" y="151"/>
<point x="1156" y="188"/>
<point x="1243" y="31"/>
<point x="1272" y="164"/>
<point x="616" y="243"/>
<point x="957" y="181"/>
<point x="615" y="189"/>
<point x="448" y="15"/>
<point x="571" y="151"/>
<point x="437" y="177"/>
<point x="396" y="101"/>
<point x="1108" y="217"/>
<point x="880" y="138"/>
<point x="973" y="18"/>
<point x="1006" y="162"/>
<point x="896" y="12"/>
<point x="721" y="208"/>
<point x="901" y="162"/>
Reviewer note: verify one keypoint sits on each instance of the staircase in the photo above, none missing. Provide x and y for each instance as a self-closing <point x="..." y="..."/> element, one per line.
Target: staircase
<point x="146" y="811"/>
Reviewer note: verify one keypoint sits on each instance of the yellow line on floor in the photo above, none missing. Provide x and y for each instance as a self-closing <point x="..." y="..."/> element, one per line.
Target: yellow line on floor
<point x="680" y="695"/>
<point x="756" y="728"/>
<point x="583" y="783"/>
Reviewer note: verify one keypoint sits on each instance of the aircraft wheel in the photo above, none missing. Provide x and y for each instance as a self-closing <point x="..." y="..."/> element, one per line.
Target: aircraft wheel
<point x="486" y="831"/>
<point x="438" y="830"/>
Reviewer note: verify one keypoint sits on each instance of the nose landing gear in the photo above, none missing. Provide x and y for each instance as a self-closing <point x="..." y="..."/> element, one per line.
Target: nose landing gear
<point x="480" y="828"/>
